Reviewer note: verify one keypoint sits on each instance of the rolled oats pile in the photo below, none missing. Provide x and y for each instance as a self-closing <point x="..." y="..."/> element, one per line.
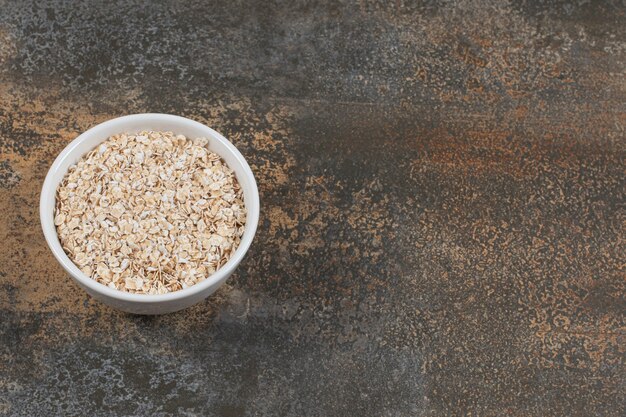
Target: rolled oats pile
<point x="150" y="213"/>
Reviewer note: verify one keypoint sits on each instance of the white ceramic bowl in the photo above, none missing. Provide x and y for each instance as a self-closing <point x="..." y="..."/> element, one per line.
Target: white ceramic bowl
<point x="141" y="303"/>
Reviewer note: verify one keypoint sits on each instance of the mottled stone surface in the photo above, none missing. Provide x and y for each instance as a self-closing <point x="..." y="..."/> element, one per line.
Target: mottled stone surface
<point x="442" y="226"/>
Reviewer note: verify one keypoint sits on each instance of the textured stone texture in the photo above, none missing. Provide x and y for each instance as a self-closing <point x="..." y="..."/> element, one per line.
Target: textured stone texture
<point x="442" y="192"/>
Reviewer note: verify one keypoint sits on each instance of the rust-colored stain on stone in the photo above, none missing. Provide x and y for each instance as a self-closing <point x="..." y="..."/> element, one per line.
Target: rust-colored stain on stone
<point x="442" y="224"/>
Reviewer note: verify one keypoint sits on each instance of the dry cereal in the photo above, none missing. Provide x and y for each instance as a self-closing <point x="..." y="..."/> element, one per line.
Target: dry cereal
<point x="150" y="213"/>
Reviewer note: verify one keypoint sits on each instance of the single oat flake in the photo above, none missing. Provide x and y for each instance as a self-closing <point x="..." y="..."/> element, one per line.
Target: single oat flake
<point x="150" y="213"/>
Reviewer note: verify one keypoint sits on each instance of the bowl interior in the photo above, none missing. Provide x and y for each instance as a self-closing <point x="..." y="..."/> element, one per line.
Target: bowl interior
<point x="133" y="124"/>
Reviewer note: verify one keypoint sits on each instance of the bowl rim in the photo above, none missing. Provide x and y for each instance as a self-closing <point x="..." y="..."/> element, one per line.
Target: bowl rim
<point x="51" y="236"/>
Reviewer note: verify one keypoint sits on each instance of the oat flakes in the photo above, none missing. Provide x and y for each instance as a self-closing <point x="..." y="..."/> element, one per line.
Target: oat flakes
<point x="150" y="213"/>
